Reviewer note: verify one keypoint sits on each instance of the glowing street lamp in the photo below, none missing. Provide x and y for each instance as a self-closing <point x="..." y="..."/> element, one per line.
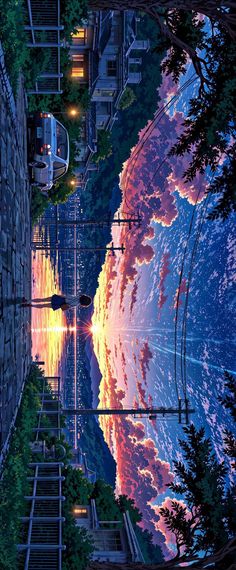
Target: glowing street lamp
<point x="73" y="112"/>
<point x="69" y="113"/>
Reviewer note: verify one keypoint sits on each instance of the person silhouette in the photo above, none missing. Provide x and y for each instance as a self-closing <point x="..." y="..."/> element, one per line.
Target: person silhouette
<point x="56" y="302"/>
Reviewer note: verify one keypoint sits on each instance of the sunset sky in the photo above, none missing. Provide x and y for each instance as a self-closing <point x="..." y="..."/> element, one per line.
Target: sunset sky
<point x="135" y="311"/>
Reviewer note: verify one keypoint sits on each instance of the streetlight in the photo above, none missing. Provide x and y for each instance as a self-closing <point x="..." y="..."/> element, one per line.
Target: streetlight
<point x="73" y="112"/>
<point x="70" y="112"/>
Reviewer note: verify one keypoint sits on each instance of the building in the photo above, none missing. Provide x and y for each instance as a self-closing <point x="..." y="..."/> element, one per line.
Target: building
<point x="104" y="57"/>
<point x="113" y="541"/>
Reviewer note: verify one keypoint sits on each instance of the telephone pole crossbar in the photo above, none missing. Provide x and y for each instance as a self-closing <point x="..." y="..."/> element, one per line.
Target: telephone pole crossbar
<point x="107" y="222"/>
<point x="151" y="413"/>
<point x="37" y="246"/>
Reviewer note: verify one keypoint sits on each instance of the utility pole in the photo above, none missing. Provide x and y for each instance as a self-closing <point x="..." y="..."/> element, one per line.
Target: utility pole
<point x="152" y="413"/>
<point x="96" y="223"/>
<point x="38" y="246"/>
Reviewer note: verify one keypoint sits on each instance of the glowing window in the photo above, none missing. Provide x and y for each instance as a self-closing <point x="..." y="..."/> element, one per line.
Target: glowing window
<point x="78" y="65"/>
<point x="80" y="512"/>
<point x="77" y="72"/>
<point x="79" y="36"/>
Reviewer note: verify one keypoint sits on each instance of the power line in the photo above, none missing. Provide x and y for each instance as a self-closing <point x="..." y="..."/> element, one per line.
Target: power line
<point x="150" y="128"/>
<point x="184" y="321"/>
<point x="178" y="290"/>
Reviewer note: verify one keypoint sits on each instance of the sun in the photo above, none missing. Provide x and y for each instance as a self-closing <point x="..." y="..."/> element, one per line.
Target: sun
<point x="95" y="328"/>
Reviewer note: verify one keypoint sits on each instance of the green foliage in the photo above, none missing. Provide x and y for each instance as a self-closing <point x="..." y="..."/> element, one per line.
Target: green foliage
<point x="12" y="37"/>
<point x="127" y="98"/>
<point x="104" y="146"/>
<point x="13" y="485"/>
<point x="78" y="546"/>
<point x="39" y="203"/>
<point x="107" y="507"/>
<point x="126" y="504"/>
<point x="229" y="399"/>
<point x="77" y="490"/>
<point x="151" y="552"/>
<point x="188" y="28"/>
<point x="72" y="12"/>
<point x="74" y="96"/>
<point x="202" y="482"/>
<point x="209" y="128"/>
<point x="76" y="487"/>
<point x="229" y="402"/>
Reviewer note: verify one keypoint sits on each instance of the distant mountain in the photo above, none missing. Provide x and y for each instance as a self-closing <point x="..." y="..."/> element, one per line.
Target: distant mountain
<point x="92" y="440"/>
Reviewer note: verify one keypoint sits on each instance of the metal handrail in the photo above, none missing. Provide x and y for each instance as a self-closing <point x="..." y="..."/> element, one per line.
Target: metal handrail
<point x="43" y="526"/>
<point x="56" y="27"/>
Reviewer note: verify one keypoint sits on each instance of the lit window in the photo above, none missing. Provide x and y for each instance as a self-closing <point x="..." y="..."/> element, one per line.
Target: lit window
<point x="80" y="512"/>
<point x="78" y="65"/>
<point x="77" y="72"/>
<point x="79" y="36"/>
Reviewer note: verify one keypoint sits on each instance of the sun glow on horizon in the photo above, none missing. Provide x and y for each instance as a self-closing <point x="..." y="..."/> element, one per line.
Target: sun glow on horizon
<point x="95" y="328"/>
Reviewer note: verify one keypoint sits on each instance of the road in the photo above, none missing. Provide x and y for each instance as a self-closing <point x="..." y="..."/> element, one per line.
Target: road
<point x="15" y="254"/>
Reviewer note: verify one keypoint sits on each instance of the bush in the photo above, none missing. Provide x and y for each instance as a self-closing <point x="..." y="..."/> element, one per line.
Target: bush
<point x="77" y="490"/>
<point x="104" y="146"/>
<point x="39" y="203"/>
<point x="78" y="546"/>
<point x="13" y="38"/>
<point x="127" y="98"/>
<point x="13" y="485"/>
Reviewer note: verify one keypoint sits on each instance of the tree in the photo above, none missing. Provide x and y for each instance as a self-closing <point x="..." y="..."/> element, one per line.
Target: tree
<point x="72" y="12"/>
<point x="229" y="402"/>
<point x="127" y="98"/>
<point x="202" y="483"/>
<point x="205" y="528"/>
<point x="219" y="10"/>
<point x="104" y="145"/>
<point x="77" y="488"/>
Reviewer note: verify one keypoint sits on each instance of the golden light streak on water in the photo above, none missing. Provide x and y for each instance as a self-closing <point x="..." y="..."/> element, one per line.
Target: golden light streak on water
<point x="54" y="329"/>
<point x="47" y="343"/>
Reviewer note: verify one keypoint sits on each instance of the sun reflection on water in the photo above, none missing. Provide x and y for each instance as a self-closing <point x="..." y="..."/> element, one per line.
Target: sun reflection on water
<point x="47" y="343"/>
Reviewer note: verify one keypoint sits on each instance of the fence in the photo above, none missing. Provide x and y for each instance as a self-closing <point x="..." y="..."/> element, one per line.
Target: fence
<point x="41" y="537"/>
<point x="43" y="33"/>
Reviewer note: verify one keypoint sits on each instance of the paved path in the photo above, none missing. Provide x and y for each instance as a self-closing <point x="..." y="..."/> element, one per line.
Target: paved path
<point x="15" y="256"/>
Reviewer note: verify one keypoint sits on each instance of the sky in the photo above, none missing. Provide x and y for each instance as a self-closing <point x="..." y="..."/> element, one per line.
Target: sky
<point x="155" y="335"/>
<point x="176" y="259"/>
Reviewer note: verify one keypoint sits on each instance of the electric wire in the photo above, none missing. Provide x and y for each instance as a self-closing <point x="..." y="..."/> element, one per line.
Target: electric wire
<point x="145" y="137"/>
<point x="185" y="311"/>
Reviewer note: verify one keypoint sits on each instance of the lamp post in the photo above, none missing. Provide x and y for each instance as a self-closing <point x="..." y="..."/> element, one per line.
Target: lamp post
<point x="69" y="113"/>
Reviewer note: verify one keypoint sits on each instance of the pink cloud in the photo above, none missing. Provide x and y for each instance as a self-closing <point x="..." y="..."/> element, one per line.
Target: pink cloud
<point x="144" y="360"/>
<point x="180" y="291"/>
<point x="133" y="296"/>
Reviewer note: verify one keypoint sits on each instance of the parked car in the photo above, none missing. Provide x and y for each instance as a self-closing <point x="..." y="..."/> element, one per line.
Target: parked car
<point x="49" y="143"/>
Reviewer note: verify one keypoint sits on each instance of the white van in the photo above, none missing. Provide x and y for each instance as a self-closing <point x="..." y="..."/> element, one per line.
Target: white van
<point x="50" y="151"/>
